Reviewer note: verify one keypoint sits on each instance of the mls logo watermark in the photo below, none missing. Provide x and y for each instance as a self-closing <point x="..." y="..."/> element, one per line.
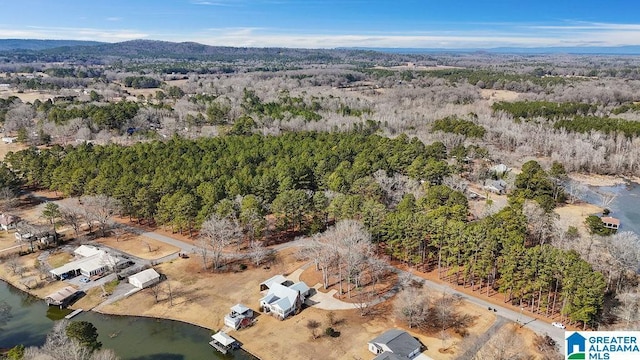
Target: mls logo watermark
<point x="602" y="345"/>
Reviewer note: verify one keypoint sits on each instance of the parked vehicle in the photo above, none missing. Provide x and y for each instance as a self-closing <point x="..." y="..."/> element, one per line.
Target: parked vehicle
<point x="558" y="325"/>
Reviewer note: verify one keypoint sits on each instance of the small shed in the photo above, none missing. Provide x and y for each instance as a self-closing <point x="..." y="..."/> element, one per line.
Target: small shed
<point x="144" y="278"/>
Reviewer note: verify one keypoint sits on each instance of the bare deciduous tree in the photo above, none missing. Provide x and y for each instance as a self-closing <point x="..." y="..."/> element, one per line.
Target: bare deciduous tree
<point x="219" y="232"/>
<point x="412" y="306"/>
<point x="503" y="346"/>
<point x="100" y="208"/>
<point x="8" y="199"/>
<point x="629" y="309"/>
<point x="71" y="215"/>
<point x="258" y="252"/>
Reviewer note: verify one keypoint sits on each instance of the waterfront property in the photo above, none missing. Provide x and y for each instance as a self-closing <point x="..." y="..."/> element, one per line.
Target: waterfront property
<point x="239" y="317"/>
<point x="395" y="344"/>
<point x="144" y="278"/>
<point x="223" y="342"/>
<point x="90" y="262"/>
<point x="283" y="298"/>
<point x="61" y="297"/>
<point x="610" y="222"/>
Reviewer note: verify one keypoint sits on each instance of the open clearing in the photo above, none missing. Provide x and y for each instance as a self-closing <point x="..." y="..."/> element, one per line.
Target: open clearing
<point x="499" y="95"/>
<point x="139" y="246"/>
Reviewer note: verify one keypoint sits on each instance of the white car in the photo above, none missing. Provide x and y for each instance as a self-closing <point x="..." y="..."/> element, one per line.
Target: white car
<point x="558" y="325"/>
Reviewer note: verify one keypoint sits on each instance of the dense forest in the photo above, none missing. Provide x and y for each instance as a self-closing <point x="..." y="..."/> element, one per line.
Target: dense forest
<point x="307" y="180"/>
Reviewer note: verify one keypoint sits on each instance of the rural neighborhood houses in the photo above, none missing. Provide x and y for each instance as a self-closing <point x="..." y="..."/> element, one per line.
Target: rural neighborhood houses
<point x="395" y="344"/>
<point x="283" y="297"/>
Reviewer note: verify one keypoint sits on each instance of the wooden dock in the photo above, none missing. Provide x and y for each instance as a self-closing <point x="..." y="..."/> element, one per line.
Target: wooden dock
<point x="74" y="313"/>
<point x="219" y="347"/>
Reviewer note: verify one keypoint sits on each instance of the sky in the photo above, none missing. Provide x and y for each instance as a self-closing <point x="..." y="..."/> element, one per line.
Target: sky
<point x="330" y="23"/>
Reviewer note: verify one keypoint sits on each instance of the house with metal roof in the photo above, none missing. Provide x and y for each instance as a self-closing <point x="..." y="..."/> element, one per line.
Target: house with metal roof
<point x="61" y="297"/>
<point x="277" y="279"/>
<point x="96" y="262"/>
<point x="395" y="345"/>
<point x="144" y="278"/>
<point x="282" y="301"/>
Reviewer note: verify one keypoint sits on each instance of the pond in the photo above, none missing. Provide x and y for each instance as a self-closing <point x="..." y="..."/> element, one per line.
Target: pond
<point x="134" y="338"/>
<point x="625" y="206"/>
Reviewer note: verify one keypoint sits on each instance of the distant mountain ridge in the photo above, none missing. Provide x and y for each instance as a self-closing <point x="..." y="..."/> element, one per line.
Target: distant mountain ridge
<point x="156" y="49"/>
<point x="33" y="44"/>
<point x="45" y="50"/>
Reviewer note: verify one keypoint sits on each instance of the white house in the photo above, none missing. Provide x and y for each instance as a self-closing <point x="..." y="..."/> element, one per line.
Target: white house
<point x="395" y="344"/>
<point x="92" y="261"/>
<point x="282" y="301"/>
<point x="144" y="278"/>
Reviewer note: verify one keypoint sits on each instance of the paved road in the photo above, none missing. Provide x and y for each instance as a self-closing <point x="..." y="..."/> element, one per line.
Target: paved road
<point x="537" y="326"/>
<point x="184" y="247"/>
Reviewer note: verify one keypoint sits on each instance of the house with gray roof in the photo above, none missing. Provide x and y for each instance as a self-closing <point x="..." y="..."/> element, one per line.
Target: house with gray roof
<point x="282" y="301"/>
<point x="395" y="345"/>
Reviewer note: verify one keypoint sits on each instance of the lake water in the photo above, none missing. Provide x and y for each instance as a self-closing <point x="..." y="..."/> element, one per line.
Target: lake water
<point x="133" y="338"/>
<point x="625" y="206"/>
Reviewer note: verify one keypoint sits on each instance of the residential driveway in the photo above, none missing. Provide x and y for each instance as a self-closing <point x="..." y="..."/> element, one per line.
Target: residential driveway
<point x="318" y="299"/>
<point x="122" y="291"/>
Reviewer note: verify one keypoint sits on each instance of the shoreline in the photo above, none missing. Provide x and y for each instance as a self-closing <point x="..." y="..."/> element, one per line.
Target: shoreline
<point x="31" y="293"/>
<point x="602" y="180"/>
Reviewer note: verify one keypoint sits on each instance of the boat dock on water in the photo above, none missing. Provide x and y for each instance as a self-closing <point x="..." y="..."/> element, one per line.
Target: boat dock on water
<point x="223" y="342"/>
<point x="74" y="313"/>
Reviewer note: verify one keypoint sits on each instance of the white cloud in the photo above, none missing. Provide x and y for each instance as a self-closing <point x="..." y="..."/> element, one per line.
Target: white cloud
<point x="211" y="3"/>
<point x="70" y="33"/>
<point x="566" y="34"/>
<point x="516" y="36"/>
